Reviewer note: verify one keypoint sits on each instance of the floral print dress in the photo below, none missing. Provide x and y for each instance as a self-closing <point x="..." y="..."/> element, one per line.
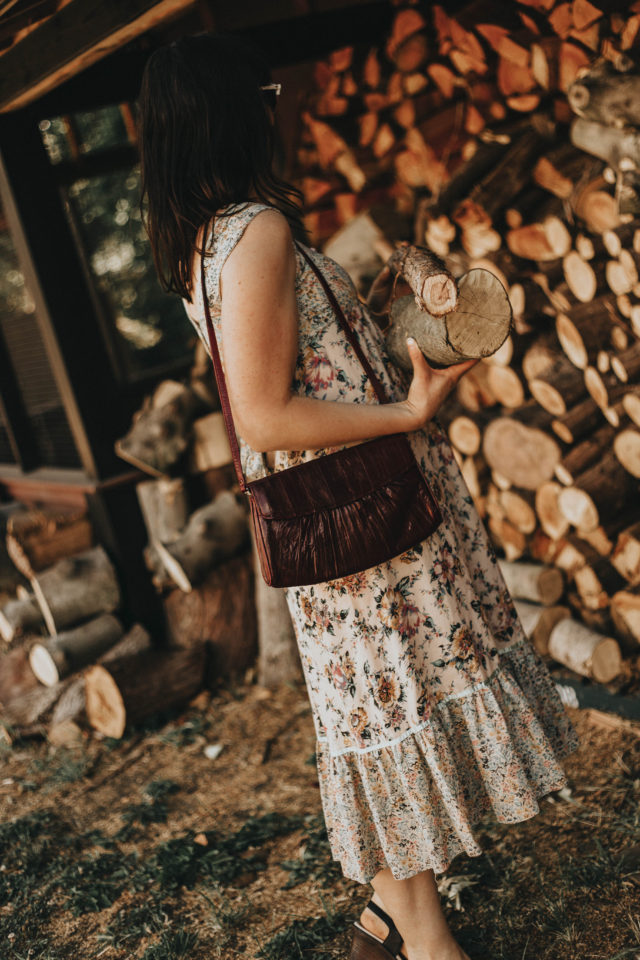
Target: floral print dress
<point x="431" y="707"/>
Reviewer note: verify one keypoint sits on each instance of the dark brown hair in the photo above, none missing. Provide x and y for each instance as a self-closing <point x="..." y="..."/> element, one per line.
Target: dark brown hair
<point x="206" y="139"/>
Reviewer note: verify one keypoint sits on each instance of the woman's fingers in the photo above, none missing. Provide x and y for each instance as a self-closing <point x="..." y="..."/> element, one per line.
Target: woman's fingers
<point x="418" y="359"/>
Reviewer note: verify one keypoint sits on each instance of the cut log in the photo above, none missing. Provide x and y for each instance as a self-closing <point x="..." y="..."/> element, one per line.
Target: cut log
<point x="71" y="703"/>
<point x="46" y="535"/>
<point x="165" y="507"/>
<point x="71" y="650"/>
<point x="530" y="581"/>
<point x="599" y="493"/>
<point x="626" y="447"/>
<point x="519" y="509"/>
<point x="213" y="533"/>
<point x="626" y="365"/>
<point x="465" y="435"/>
<point x="524" y="454"/>
<point x="538" y="622"/>
<point x="507" y="538"/>
<point x="434" y="288"/>
<point x="221" y="611"/>
<point x="477" y="328"/>
<point x="552" y="521"/>
<point x="584" y="651"/>
<point x="548" y="240"/>
<point x="210" y="444"/>
<point x="558" y="388"/>
<point x="130" y="689"/>
<point x="76" y="588"/>
<point x="625" y="613"/>
<point x="584" y="455"/>
<point x="605" y="389"/>
<point x="160" y="433"/>
<point x="506" y="386"/>
<point x="584" y="330"/>
<point x="19" y="617"/>
<point x="626" y="554"/>
<point x="596" y="581"/>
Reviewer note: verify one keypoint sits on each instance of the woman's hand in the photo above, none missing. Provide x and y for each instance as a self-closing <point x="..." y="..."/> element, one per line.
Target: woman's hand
<point x="429" y="387"/>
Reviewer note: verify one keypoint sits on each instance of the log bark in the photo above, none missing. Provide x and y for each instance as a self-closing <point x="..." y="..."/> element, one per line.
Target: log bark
<point x="477" y="328"/>
<point x="20" y="617"/>
<point x="221" y="612"/>
<point x="584" y="455"/>
<point x="132" y="688"/>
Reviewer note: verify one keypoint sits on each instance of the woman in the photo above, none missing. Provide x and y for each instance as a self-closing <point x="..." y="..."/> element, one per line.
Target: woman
<point x="430" y="706"/>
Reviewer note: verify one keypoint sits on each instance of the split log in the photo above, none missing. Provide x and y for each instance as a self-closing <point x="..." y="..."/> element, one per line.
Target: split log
<point x="477" y="328"/>
<point x="530" y="581"/>
<point x="434" y="288"/>
<point x="538" y="622"/>
<point x="132" y="688"/>
<point x="165" y="509"/>
<point x="507" y="537"/>
<point x="599" y="492"/>
<point x="213" y="533"/>
<point x="584" y="651"/>
<point x="160" y="433"/>
<point x="625" y="613"/>
<point x="71" y="650"/>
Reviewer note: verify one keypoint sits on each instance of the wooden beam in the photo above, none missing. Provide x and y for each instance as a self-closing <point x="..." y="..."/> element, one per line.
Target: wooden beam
<point x="75" y="37"/>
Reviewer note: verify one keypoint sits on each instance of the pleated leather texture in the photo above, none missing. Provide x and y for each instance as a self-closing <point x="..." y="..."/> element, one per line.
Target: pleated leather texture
<point x="341" y="513"/>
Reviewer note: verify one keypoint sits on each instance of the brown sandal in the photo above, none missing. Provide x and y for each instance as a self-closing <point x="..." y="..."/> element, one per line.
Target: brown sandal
<point x="367" y="947"/>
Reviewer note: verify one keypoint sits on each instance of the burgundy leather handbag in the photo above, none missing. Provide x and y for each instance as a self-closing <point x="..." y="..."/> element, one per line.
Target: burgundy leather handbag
<point x="342" y="512"/>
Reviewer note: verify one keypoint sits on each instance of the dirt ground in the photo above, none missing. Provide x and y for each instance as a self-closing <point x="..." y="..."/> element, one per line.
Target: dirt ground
<point x="148" y="848"/>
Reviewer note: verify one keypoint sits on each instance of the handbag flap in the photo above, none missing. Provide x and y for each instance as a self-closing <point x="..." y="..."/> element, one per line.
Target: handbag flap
<point x="332" y="480"/>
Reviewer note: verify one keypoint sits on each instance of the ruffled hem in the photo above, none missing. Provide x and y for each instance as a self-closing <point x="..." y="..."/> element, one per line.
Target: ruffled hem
<point x="412" y="805"/>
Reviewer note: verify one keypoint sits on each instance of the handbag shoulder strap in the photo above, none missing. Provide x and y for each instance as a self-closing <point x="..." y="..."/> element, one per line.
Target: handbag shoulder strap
<point x="346" y="326"/>
<point x="219" y="373"/>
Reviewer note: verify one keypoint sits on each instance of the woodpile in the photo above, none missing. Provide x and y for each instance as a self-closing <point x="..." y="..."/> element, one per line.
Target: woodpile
<point x="509" y="136"/>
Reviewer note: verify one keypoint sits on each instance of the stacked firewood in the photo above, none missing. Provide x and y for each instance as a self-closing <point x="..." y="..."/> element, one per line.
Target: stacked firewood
<point x="69" y="661"/>
<point x="466" y="122"/>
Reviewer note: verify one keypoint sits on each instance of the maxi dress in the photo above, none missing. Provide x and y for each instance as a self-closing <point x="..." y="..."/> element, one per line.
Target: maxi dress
<point x="431" y="707"/>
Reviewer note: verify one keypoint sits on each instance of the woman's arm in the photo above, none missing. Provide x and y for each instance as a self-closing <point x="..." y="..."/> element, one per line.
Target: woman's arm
<point x="259" y="323"/>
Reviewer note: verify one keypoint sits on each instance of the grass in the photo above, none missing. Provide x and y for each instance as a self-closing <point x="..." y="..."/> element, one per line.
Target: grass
<point x="175" y="856"/>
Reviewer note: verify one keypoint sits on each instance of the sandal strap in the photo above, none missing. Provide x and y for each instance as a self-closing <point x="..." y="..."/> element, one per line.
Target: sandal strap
<point x="393" y="941"/>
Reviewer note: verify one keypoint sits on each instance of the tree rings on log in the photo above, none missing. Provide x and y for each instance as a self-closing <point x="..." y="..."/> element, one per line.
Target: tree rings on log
<point x="525" y="455"/>
<point x="476" y="328"/>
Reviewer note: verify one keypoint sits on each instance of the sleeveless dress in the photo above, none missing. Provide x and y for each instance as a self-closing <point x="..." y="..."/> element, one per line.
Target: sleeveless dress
<point x="431" y="707"/>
